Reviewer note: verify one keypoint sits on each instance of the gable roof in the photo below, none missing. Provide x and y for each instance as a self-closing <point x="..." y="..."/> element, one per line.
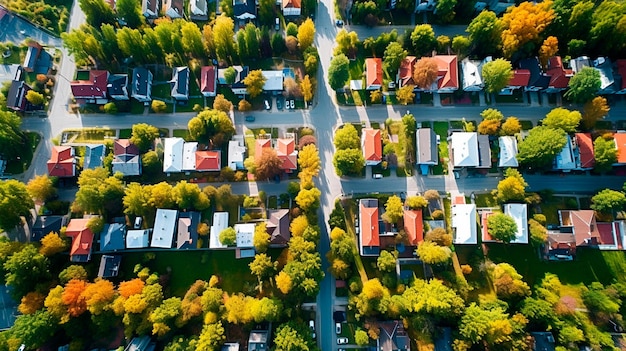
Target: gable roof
<point x="173" y="8"/>
<point x="244" y="9"/>
<point x="448" y="75"/>
<point x="30" y="60"/>
<point x="236" y="152"/>
<point x="82" y="239"/>
<point x="585" y="150"/>
<point x="369" y="239"/>
<point x="373" y="73"/>
<point x="413" y="226"/>
<point x="141" y="83"/>
<point x="16" y="100"/>
<point x="472" y="79"/>
<point x="220" y="222"/>
<point x="278" y="226"/>
<point x="427" y="150"/>
<point x="464" y="147"/>
<point x="198" y="9"/>
<point x="44" y="225"/>
<point x="208" y="80"/>
<point x="484" y="151"/>
<point x="393" y="337"/>
<point x="464" y="223"/>
<point x="173" y="155"/>
<point x="112" y="237"/>
<point x="117" y="86"/>
<point x="286" y="152"/>
<point x="208" y="160"/>
<point x="564" y="160"/>
<point x="532" y="65"/>
<point x="259" y="145"/>
<point x="189" y="156"/>
<point x="519" y="213"/>
<point x="94" y="155"/>
<point x="62" y="162"/>
<point x="292" y="4"/>
<point x="583" y="223"/>
<point x="180" y="83"/>
<point x="187" y="232"/>
<point x="559" y="76"/>
<point x="137" y="238"/>
<point x="124" y="147"/>
<point x="109" y="266"/>
<point x="163" y="232"/>
<point x="405" y="72"/>
<point x="508" y="151"/>
<point x="128" y="165"/>
<point x="620" y="144"/>
<point x="372" y="145"/>
<point x="520" y="78"/>
<point x="94" y="88"/>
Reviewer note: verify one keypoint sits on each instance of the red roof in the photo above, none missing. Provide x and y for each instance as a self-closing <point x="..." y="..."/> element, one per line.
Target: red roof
<point x="584" y="225"/>
<point x="621" y="69"/>
<point x="208" y="77"/>
<point x="413" y="226"/>
<point x="259" y="146"/>
<point x="620" y="144"/>
<point x="605" y="231"/>
<point x="62" y="162"/>
<point x="585" y="149"/>
<point x="374" y="72"/>
<point x="208" y="161"/>
<point x="448" y="76"/>
<point x="124" y="147"/>
<point x="369" y="225"/>
<point x="405" y="72"/>
<point x="292" y="3"/>
<point x="559" y="77"/>
<point x="82" y="237"/>
<point x="95" y="87"/>
<point x="372" y="145"/>
<point x="520" y="78"/>
<point x="286" y="152"/>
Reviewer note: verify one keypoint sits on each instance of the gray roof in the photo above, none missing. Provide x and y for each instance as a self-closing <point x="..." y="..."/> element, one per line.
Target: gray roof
<point x="116" y="84"/>
<point x="164" y="225"/>
<point x="180" y="81"/>
<point x="94" y="154"/>
<point x="112" y="237"/>
<point x="278" y="226"/>
<point x="427" y="151"/>
<point x="484" y="151"/>
<point x="8" y="308"/>
<point x="142" y="79"/>
<point x="44" y="225"/>
<point x="109" y="266"/>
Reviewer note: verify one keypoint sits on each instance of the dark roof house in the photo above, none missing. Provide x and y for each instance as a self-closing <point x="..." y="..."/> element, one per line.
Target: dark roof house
<point x="94" y="156"/>
<point x="392" y="337"/>
<point x="112" y="237"/>
<point x="117" y="86"/>
<point x="277" y="226"/>
<point x="198" y="10"/>
<point x="180" y="83"/>
<point x="16" y="98"/>
<point x="92" y="90"/>
<point x="141" y="89"/>
<point x="109" y="266"/>
<point x="187" y="230"/>
<point x="44" y="225"/>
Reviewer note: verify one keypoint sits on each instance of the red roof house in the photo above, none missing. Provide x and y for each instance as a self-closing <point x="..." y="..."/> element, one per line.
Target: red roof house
<point x="583" y="224"/>
<point x="448" y="75"/>
<point x="621" y="71"/>
<point x="208" y="161"/>
<point x="92" y="91"/>
<point x="585" y="150"/>
<point x="405" y="72"/>
<point x="208" y="81"/>
<point x="62" y="162"/>
<point x="373" y="73"/>
<point x="124" y="147"/>
<point x="559" y="76"/>
<point x="82" y="239"/>
<point x="369" y="239"/>
<point x="259" y="145"/>
<point x="520" y="78"/>
<point x="413" y="226"/>
<point x="286" y="151"/>
<point x="371" y="143"/>
<point x="620" y="144"/>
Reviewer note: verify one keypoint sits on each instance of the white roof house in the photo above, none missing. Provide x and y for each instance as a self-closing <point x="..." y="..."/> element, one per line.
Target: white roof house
<point x="273" y="80"/>
<point x="464" y="149"/>
<point x="189" y="156"/>
<point x="173" y="155"/>
<point x="220" y="222"/>
<point x="164" y="225"/>
<point x="464" y="223"/>
<point x="472" y="79"/>
<point x="565" y="160"/>
<point x="236" y="152"/>
<point x="519" y="213"/>
<point x="508" y="151"/>
<point x="137" y="239"/>
<point x="245" y="235"/>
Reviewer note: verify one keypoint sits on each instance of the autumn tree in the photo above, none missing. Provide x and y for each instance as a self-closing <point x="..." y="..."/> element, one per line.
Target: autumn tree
<point x="214" y="125"/>
<point x="348" y="161"/>
<point x="584" y="85"/>
<point x="306" y="86"/>
<point x="386" y="262"/>
<point x="267" y="165"/>
<point x="423" y="39"/>
<point x="523" y="24"/>
<point x="97" y="12"/>
<point x="484" y="33"/>
<point x="74" y="298"/>
<point x="222" y="104"/>
<point x="439" y="236"/>
<point x="347" y="137"/>
<point x="511" y="126"/>
<point x="338" y="72"/>
<point x="262" y="267"/>
<point x="538" y="233"/>
<point x="16" y="202"/>
<point x="502" y="227"/>
<point x="538" y="149"/>
<point x="548" y="49"/>
<point x="98" y="192"/>
<point x="405" y="94"/>
<point x="416" y="202"/>
<point x="244" y="105"/>
<point x="373" y="299"/>
<point x="561" y="118"/>
<point x="223" y="34"/>
<point x="309" y="160"/>
<point x="604" y="153"/>
<point x="72" y="272"/>
<point x="306" y="34"/>
<point x="496" y="75"/>
<point x="254" y="82"/>
<point x="460" y="45"/>
<point x="228" y="236"/>
<point x="98" y="296"/>
<point x="283" y="282"/>
<point x="261" y="239"/>
<point x="31" y="303"/>
<point x="593" y="111"/>
<point x="425" y="72"/>
<point x="393" y="210"/>
<point x="290" y="337"/>
<point x="40" y="188"/>
<point x="191" y="39"/>
<point x="492" y="326"/>
<point x="431" y="253"/>
<point x="158" y="106"/>
<point x="308" y="199"/>
<point x="211" y="337"/>
<point x="165" y="316"/>
<point x="52" y="244"/>
<point x="35" y="98"/>
<point x="512" y="187"/>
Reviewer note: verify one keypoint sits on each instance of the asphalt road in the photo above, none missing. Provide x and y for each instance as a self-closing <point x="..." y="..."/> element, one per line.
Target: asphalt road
<point x="15" y="29"/>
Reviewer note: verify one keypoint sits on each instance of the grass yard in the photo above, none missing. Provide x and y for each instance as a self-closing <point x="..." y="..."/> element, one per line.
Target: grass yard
<point x="188" y="107"/>
<point x="90" y="135"/>
<point x="551" y="204"/>
<point x="356" y="68"/>
<point x="125" y="133"/>
<point x="441" y="129"/>
<point x="181" y="133"/>
<point x="26" y="157"/>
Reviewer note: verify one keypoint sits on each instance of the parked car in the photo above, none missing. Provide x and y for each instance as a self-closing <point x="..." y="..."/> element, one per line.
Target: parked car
<point x="250" y="118"/>
<point x="312" y="327"/>
<point x="377" y="176"/>
<point x="268" y="104"/>
<point x="339" y="23"/>
<point x="342" y="341"/>
<point x="338" y="328"/>
<point x="138" y="222"/>
<point x="277" y="25"/>
<point x="279" y="102"/>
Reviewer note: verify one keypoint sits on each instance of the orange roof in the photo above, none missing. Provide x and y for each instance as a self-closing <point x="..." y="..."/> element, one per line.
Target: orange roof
<point x="286" y="152"/>
<point x="292" y="3"/>
<point x="374" y="72"/>
<point x="559" y="77"/>
<point x="620" y="144"/>
<point x="448" y="71"/>
<point x="484" y="216"/>
<point x="372" y="145"/>
<point x="585" y="148"/>
<point x="413" y="226"/>
<point x="61" y="163"/>
<point x="369" y="225"/>
<point x="207" y="161"/>
<point x="406" y="71"/>
<point x="259" y="145"/>
<point x="82" y="237"/>
<point x="585" y="228"/>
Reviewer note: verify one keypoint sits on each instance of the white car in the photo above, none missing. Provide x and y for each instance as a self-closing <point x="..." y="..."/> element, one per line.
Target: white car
<point x="342" y="341"/>
<point x="312" y="327"/>
<point x="338" y="328"/>
<point x="377" y="176"/>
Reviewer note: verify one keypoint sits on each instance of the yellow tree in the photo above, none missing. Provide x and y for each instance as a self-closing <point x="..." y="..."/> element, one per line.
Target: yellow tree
<point x="309" y="160"/>
<point x="52" y="244"/>
<point x="254" y="82"/>
<point x="54" y="304"/>
<point x="99" y="296"/>
<point x="220" y="103"/>
<point x="40" y="188"/>
<point x="306" y="34"/>
<point x="425" y="72"/>
<point x="405" y="95"/>
<point x="31" y="303"/>
<point x="283" y="282"/>
<point x="524" y="24"/>
<point x="131" y="287"/>
<point x="307" y="88"/>
<point x="298" y="225"/>
<point x="511" y="126"/>
<point x="548" y="49"/>
<point x="594" y="111"/>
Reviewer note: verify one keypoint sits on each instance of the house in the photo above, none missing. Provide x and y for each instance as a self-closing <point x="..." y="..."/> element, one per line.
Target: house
<point x="8" y="309"/>
<point x="291" y="7"/>
<point x="237" y="86"/>
<point x="392" y="337"/>
<point x="464" y="149"/>
<point x="236" y="152"/>
<point x="150" y="8"/>
<point x="173" y="155"/>
<point x="109" y="266"/>
<point x="443" y="339"/>
<point x="187" y="230"/>
<point x="508" y="151"/>
<point x="230" y="346"/>
<point x="564" y="160"/>
<point x="180" y="83"/>
<point x="287" y="153"/>
<point x="173" y="8"/>
<point x="208" y="79"/>
<point x="372" y="145"/>
<point x="405" y="72"/>
<point x="126" y="159"/>
<point x="189" y="156"/>
<point x="198" y="10"/>
<point x="93" y="90"/>
<point x="62" y="162"/>
<point x="582" y="224"/>
<point x="559" y="76"/>
<point x="208" y="161"/>
<point x="620" y="144"/>
<point x="32" y="55"/>
<point x="520" y="79"/>
<point x="537" y="81"/>
<point x="447" y="75"/>
<point x="369" y="239"/>
<point x="425" y="5"/>
<point x="244" y="10"/>
<point x="519" y="213"/>
<point x="373" y="73"/>
<point x="607" y="81"/>
<point x="413" y="226"/>
<point x="578" y="63"/>
<point x="584" y="146"/>
<point x="82" y="239"/>
<point x="45" y="225"/>
<point x="464" y="223"/>
<point x="141" y="343"/>
<point x="245" y="235"/>
<point x="117" y="86"/>
<point x="484" y="151"/>
<point x="259" y="145"/>
<point x="138" y="238"/>
<point x="142" y="83"/>
<point x="257" y="340"/>
<point x="94" y="155"/>
<point x="542" y="341"/>
<point x="471" y="75"/>
<point x="220" y="222"/>
<point x="16" y="98"/>
<point x="163" y="232"/>
<point x="112" y="237"/>
<point x="427" y="149"/>
<point x="277" y="226"/>
<point x="621" y="76"/>
<point x="273" y="82"/>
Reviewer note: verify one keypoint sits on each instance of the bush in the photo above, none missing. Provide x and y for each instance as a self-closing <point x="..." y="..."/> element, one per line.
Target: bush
<point x="437" y="214"/>
<point x="244" y="105"/>
<point x="110" y="108"/>
<point x="158" y="106"/>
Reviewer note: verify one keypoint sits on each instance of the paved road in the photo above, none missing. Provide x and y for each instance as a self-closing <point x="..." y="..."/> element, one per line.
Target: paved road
<point x="365" y="32"/>
<point x="16" y="30"/>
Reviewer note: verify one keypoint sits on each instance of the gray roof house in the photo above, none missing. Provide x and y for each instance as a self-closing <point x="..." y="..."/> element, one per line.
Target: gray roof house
<point x="141" y="343"/>
<point x="112" y="237"/>
<point x="393" y="337"/>
<point x="142" y="84"/>
<point x="180" y="83"/>
<point x="117" y="86"/>
<point x="44" y="225"/>
<point x="150" y="8"/>
<point x="109" y="266"/>
<point x="427" y="149"/>
<point x="278" y="227"/>
<point x="164" y="225"/>
<point x="16" y="100"/>
<point x="258" y="339"/>
<point x="484" y="151"/>
<point x="198" y="10"/>
<point x="94" y="155"/>
<point x="127" y="160"/>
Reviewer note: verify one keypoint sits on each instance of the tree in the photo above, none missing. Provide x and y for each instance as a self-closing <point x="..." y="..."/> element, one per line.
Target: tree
<point x="229" y="75"/>
<point x="283" y="282"/>
<point x="538" y="233"/>
<point x="110" y="108"/>
<point x="460" y="45"/>
<point x="491" y="325"/>
<point x="25" y="269"/>
<point x="98" y="192"/>
<point x="220" y="103"/>
<point x="432" y="298"/>
<point x="443" y="43"/>
<point x="489" y="127"/>
<point x="348" y="161"/>
<point x="15" y="202"/>
<point x="289" y="338"/>
<point x="361" y="338"/>
<point x="605" y="154"/>
<point x="252" y="40"/>
<point x="99" y="295"/>
<point x="523" y="24"/>
<point x="484" y="33"/>
<point x="431" y="195"/>
<point x="298" y="225"/>
<point x="593" y="111"/>
<point x="393" y="210"/>
<point x="548" y="49"/>
<point x="416" y="202"/>
<point x="431" y="253"/>
<point x="347" y="137"/>
<point x="130" y="12"/>
<point x="423" y="39"/>
<point x="561" y="118"/>
<point x="511" y="126"/>
<point x="306" y="86"/>
<point x="261" y="239"/>
<point x="502" y="227"/>
<point x="31" y="303"/>
<point x="306" y="34"/>
<point x="163" y="317"/>
<point x="584" y="85"/>
<point x="244" y="105"/>
<point x="267" y="165"/>
<point x="425" y="72"/>
<point x="35" y="98"/>
<point x="72" y="272"/>
<point x="291" y="88"/>
<point x="34" y="330"/>
<point x="538" y="149"/>
<point x="346" y="43"/>
<point x="394" y="54"/>
<point x="228" y="236"/>
<point x="512" y="187"/>
<point x="439" y="236"/>
<point x="143" y="136"/>
<point x="254" y="82"/>
<point x="445" y="10"/>
<point x="12" y="139"/>
<point x="73" y="297"/>
<point x="223" y="34"/>
<point x="338" y="72"/>
<point x="496" y="75"/>
<point x="262" y="267"/>
<point x="52" y="244"/>
<point x="211" y="124"/>
<point x="405" y="94"/>
<point x="188" y="196"/>
<point x="211" y="337"/>
<point x="97" y="12"/>
<point x="192" y="39"/>
<point x="158" y="106"/>
<point x="40" y="188"/>
<point x="308" y="199"/>
<point x="608" y="201"/>
<point x="386" y="262"/>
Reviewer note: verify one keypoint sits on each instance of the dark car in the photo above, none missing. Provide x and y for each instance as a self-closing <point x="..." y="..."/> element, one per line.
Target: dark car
<point x="279" y="102"/>
<point x="339" y="23"/>
<point x="250" y="118"/>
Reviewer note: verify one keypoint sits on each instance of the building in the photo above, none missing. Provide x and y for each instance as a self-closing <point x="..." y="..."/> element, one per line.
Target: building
<point x="164" y="225"/>
<point x="584" y="146"/>
<point x="45" y="225"/>
<point x="559" y="76"/>
<point x="287" y="153"/>
<point x="464" y="223"/>
<point x="471" y="75"/>
<point x="273" y="82"/>
<point x="369" y="232"/>
<point x="291" y="7"/>
<point x="519" y="213"/>
<point x="62" y="162"/>
<point x="542" y="341"/>
<point x="257" y="340"/>
<point x="277" y="226"/>
<point x="173" y="155"/>
<point x="126" y="159"/>
<point x="620" y="144"/>
<point x="187" y="230"/>
<point x="582" y="224"/>
<point x="373" y="73"/>
<point x="189" y="156"/>
<point x="82" y="239"/>
<point x="117" y="86"/>
<point x="447" y="75"/>
<point x="245" y="235"/>
<point x="230" y="346"/>
<point x="32" y="55"/>
<point x="198" y="10"/>
<point x="236" y="152"/>
<point x="413" y="226"/>
<point x="564" y="160"/>
<point x="180" y="83"/>
<point x="537" y="80"/>
<point x="208" y="161"/>
<point x="138" y="239"/>
<point x="112" y="237"/>
<point x="484" y="151"/>
<point x="208" y="78"/>
<point x="237" y="86"/>
<point x="141" y="89"/>
<point x="621" y="76"/>
<point x="109" y="266"/>
<point x="141" y="343"/>
<point x="244" y="11"/>
<point x="259" y="146"/>
<point x="16" y="98"/>
<point x="220" y="222"/>
<point x="520" y="79"/>
<point x="464" y="149"/>
<point x="94" y="156"/>
<point x="405" y="72"/>
<point x="393" y="337"/>
<point x="372" y="146"/>
<point x="93" y="90"/>
<point x="508" y="151"/>
<point x="427" y="149"/>
<point x="150" y="8"/>
<point x="173" y="8"/>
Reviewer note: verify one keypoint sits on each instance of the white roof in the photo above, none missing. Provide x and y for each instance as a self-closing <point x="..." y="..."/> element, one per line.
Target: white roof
<point x="465" y="149"/>
<point x="137" y="239"/>
<point x="519" y="213"/>
<point x="236" y="151"/>
<point x="564" y="160"/>
<point x="245" y="234"/>
<point x="163" y="233"/>
<point x="189" y="156"/>
<point x="273" y="80"/>
<point x="173" y="155"/>
<point x="471" y="74"/>
<point x="220" y="222"/>
<point x="508" y="151"/>
<point x="464" y="223"/>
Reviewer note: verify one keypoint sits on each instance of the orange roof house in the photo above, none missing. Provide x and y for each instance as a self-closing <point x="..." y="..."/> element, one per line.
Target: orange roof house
<point x="291" y="7"/>
<point x="448" y="75"/>
<point x="413" y="226"/>
<point x="371" y="143"/>
<point x="82" y="240"/>
<point x="559" y="76"/>
<point x="259" y="145"/>
<point x="208" y="161"/>
<point x="373" y="73"/>
<point x="405" y="72"/>
<point x="585" y="150"/>
<point x="369" y="234"/>
<point x="583" y="224"/>
<point x="620" y="144"/>
<point x="62" y="162"/>
<point x="286" y="152"/>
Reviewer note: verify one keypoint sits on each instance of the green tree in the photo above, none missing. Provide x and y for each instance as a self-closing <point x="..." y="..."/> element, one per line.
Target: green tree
<point x="192" y="39"/>
<point x="12" y="139"/>
<point x="439" y="236"/>
<point x="97" y="12"/>
<point x="423" y="39"/>
<point x="502" y="227"/>
<point x="35" y="98"/>
<point x="608" y="201"/>
<point x="165" y="316"/>
<point x="393" y="210"/>
<point x="261" y="240"/>
<point x="361" y="338"/>
<point x="347" y="137"/>
<point x="188" y="196"/>
<point x="143" y="136"/>
<point x="289" y="337"/>
<point x="394" y="54"/>
<point x="584" y="85"/>
<point x="34" y="330"/>
<point x="431" y="253"/>
<point x="338" y="72"/>
<point x="252" y="40"/>
<point x="348" y="161"/>
<point x="15" y="201"/>
<point x="431" y="298"/>
<point x="445" y="10"/>
<point x="594" y="111"/>
<point x="512" y="187"/>
<point x="25" y="270"/>
<point x="346" y="43"/>
<point x="211" y="337"/>
<point x="538" y="149"/>
<point x="262" y="267"/>
<point x="496" y="75"/>
<point x="562" y="118"/>
<point x="460" y="45"/>
<point x="254" y="82"/>
<point x="223" y="34"/>
<point x="386" y="262"/>
<point x="416" y="202"/>
<point x="228" y="236"/>
<point x="484" y="33"/>
<point x="337" y="218"/>
<point x="98" y="192"/>
<point x="211" y="124"/>
<point x="130" y="12"/>
<point x="538" y="233"/>
<point x="605" y="154"/>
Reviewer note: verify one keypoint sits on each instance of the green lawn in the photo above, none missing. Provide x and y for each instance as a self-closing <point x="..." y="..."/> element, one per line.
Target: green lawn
<point x="19" y="166"/>
<point x="485" y="200"/>
<point x="90" y="134"/>
<point x="356" y="68"/>
<point x="125" y="133"/>
<point x="441" y="129"/>
<point x="188" y="107"/>
<point x="181" y="133"/>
